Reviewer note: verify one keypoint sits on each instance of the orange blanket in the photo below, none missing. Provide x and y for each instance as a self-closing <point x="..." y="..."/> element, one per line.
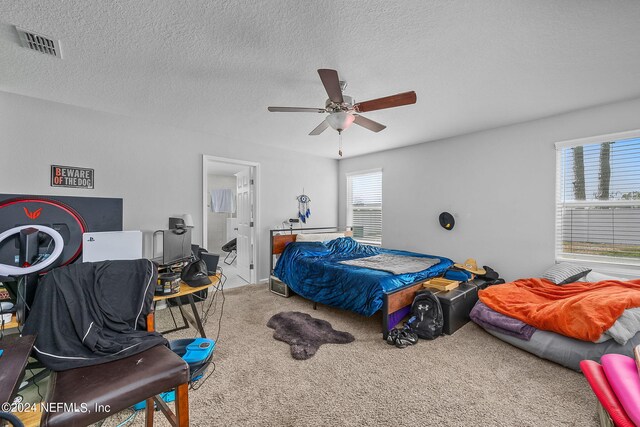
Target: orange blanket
<point x="579" y="310"/>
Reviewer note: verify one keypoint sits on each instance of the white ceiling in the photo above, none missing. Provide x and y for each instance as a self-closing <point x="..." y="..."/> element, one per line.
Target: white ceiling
<point x="215" y="66"/>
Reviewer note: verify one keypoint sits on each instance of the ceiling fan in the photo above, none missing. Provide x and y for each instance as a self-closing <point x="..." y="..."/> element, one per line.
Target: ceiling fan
<point x="343" y="110"/>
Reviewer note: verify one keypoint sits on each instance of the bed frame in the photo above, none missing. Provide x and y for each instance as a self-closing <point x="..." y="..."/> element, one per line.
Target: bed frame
<point x="395" y="304"/>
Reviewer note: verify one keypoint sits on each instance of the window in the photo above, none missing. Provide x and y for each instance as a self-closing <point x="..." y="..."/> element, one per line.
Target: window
<point x="598" y="200"/>
<point x="364" y="206"/>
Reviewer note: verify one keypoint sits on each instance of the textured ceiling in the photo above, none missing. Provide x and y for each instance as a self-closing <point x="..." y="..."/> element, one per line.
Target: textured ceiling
<point x="215" y="66"/>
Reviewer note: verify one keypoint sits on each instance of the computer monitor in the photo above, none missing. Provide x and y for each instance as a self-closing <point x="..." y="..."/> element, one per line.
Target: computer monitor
<point x="212" y="262"/>
<point x="176" y="245"/>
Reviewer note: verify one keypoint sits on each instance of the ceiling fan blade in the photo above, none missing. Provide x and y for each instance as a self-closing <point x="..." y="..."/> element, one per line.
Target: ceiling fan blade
<point x="368" y="123"/>
<point x="296" y="110"/>
<point x="320" y="128"/>
<point x="331" y="84"/>
<point x="405" y="98"/>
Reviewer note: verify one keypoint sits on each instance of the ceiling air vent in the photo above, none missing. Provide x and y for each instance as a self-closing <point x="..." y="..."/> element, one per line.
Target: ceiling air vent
<point x="40" y="43"/>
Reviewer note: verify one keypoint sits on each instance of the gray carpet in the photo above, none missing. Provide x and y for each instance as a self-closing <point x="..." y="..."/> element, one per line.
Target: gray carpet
<point x="466" y="379"/>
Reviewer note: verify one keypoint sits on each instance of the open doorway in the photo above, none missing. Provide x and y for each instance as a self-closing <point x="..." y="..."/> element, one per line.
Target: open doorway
<point x="230" y="216"/>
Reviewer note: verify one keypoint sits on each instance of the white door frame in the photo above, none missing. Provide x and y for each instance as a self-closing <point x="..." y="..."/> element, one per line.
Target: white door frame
<point x="206" y="159"/>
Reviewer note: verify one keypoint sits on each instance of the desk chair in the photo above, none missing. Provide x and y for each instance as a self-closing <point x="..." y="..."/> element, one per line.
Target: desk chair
<point x="109" y="388"/>
<point x="117" y="385"/>
<point x="101" y="390"/>
<point x="121" y="384"/>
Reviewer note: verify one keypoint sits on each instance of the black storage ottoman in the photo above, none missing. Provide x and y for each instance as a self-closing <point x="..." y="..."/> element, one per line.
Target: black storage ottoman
<point x="457" y="304"/>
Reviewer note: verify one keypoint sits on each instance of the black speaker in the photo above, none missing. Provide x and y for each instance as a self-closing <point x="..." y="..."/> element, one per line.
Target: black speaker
<point x="212" y="262"/>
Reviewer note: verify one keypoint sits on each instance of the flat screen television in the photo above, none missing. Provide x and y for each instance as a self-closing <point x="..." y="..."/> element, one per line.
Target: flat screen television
<point x="176" y="245"/>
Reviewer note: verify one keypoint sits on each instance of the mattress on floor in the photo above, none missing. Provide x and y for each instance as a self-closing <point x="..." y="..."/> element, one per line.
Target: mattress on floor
<point x="567" y="351"/>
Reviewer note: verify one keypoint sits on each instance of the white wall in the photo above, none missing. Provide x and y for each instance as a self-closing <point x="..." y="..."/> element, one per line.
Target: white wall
<point x="156" y="169"/>
<point x="217" y="221"/>
<point x="499" y="184"/>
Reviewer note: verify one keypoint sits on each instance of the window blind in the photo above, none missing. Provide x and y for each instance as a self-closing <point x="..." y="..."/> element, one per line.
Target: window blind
<point x="598" y="202"/>
<point x="364" y="206"/>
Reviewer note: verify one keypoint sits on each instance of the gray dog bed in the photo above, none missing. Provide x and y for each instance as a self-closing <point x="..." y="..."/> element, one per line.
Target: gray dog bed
<point x="305" y="334"/>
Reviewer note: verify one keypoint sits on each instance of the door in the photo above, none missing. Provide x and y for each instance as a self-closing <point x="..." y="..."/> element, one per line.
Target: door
<point x="245" y="224"/>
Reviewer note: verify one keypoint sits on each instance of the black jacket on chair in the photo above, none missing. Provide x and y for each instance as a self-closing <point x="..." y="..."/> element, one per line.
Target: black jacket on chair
<point x="91" y="313"/>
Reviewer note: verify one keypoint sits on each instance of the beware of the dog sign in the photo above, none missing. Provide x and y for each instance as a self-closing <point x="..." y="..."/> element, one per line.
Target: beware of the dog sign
<point x="69" y="176"/>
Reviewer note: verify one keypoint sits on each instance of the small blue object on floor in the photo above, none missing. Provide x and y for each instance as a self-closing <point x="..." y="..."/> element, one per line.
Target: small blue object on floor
<point x="1" y="351"/>
<point x="197" y="352"/>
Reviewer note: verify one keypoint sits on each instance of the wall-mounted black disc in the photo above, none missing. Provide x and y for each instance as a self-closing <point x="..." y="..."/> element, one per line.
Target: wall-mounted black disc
<point x="446" y="221"/>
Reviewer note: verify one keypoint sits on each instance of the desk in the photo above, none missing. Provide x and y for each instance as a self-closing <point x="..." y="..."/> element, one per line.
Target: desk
<point x="30" y="418"/>
<point x="12" y="368"/>
<point x="12" y="324"/>
<point x="13" y="363"/>
<point x="188" y="291"/>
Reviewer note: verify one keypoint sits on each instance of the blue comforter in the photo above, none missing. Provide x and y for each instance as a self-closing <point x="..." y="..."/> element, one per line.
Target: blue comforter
<point x="313" y="271"/>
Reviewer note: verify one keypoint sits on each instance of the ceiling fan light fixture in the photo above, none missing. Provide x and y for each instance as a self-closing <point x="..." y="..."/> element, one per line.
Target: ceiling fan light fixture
<point x="343" y="109"/>
<point x="340" y="121"/>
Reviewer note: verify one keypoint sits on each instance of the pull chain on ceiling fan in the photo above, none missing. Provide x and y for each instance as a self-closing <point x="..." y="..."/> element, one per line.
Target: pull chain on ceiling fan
<point x="342" y="109"/>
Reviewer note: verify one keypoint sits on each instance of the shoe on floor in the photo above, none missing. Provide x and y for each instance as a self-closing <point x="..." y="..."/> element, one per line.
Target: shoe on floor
<point x="392" y="335"/>
<point x="401" y="338"/>
<point x="406" y="338"/>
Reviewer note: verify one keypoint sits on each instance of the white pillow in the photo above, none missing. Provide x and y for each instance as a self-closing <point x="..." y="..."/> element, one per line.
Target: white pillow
<point x="594" y="276"/>
<point x="317" y="237"/>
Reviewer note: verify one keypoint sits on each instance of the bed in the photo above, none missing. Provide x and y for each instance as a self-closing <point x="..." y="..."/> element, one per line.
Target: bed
<point x="566" y="351"/>
<point x="574" y="324"/>
<point x="316" y="270"/>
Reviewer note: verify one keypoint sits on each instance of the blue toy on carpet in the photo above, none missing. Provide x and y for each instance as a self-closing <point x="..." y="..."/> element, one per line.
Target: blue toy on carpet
<point x="197" y="352"/>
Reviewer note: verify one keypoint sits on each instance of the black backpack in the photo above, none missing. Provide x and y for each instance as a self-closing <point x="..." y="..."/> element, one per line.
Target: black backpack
<point x="426" y="319"/>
